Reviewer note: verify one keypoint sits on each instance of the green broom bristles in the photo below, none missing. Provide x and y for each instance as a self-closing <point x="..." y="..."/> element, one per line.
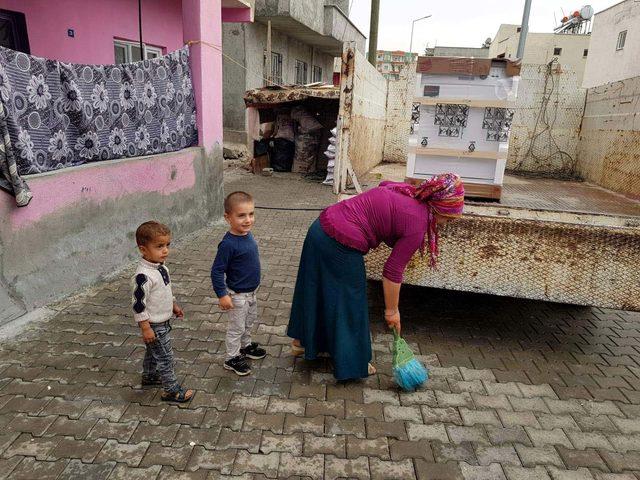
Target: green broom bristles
<point x="408" y="372"/>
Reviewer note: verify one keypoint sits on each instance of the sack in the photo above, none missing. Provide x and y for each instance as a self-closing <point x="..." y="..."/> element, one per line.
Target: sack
<point x="304" y="159"/>
<point x="307" y="123"/>
<point x="284" y="126"/>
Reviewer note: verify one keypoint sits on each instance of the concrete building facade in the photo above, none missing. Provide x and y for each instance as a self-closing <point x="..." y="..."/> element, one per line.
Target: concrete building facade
<point x="306" y="36"/>
<point x="571" y="50"/>
<point x="391" y="62"/>
<point x="80" y="224"/>
<point x="614" y="53"/>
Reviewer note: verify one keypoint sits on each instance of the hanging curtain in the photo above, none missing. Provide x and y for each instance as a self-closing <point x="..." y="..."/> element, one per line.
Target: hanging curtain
<point x="59" y="115"/>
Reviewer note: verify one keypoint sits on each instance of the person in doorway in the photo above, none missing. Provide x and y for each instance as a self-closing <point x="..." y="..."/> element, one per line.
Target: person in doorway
<point x="153" y="307"/>
<point x="235" y="275"/>
<point x="330" y="311"/>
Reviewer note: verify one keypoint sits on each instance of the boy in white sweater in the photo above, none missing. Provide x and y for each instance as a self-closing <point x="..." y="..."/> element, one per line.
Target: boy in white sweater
<point x="153" y="307"/>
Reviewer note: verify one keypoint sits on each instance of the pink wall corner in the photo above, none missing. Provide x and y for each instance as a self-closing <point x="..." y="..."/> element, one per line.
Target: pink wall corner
<point x="202" y="25"/>
<point x="237" y="15"/>
<point x="165" y="174"/>
<point x="95" y="24"/>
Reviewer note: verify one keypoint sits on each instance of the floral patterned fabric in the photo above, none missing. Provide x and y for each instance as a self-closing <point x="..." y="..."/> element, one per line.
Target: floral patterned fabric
<point x="60" y="115"/>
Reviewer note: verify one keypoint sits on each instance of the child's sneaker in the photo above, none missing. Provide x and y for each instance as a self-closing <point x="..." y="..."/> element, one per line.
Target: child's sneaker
<point x="239" y="365"/>
<point x="253" y="351"/>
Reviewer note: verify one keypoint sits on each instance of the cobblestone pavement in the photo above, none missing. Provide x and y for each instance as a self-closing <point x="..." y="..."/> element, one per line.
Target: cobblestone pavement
<point x="519" y="389"/>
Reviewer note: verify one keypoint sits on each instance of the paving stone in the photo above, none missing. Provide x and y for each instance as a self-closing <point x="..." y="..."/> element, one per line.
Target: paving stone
<point x="207" y="437"/>
<point x="382" y="469"/>
<point x="473" y="386"/>
<point x="490" y="472"/>
<point x="483" y="417"/>
<point x="441" y="415"/>
<point x="257" y="463"/>
<point x="627" y="425"/>
<point x="63" y="426"/>
<point x="378" y="447"/>
<point x="69" y="447"/>
<point x="532" y="391"/>
<point x="542" y="438"/>
<point x="292" y="443"/>
<point x="377" y="429"/>
<point x="249" y="441"/>
<point x="500" y="435"/>
<point x="285" y="405"/>
<point x="550" y="421"/>
<point x="109" y="411"/>
<point x="583" y="440"/>
<point x="220" y="460"/>
<point x="293" y="424"/>
<point x="581" y="458"/>
<point x="155" y="434"/>
<point x="625" y="443"/>
<point x="599" y="423"/>
<point x="602" y="408"/>
<point x="335" y="468"/>
<point x="510" y="389"/>
<point x="231" y="420"/>
<point x="257" y="404"/>
<point x="471" y="374"/>
<point x="347" y="392"/>
<point x="401" y="450"/>
<point x="468" y="434"/>
<point x="380" y="396"/>
<point x="580" y="474"/>
<point x="565" y="406"/>
<point x="159" y="455"/>
<point x="36" y="426"/>
<point x="419" y="397"/>
<point x="437" y="432"/>
<point x="494" y="402"/>
<point x="437" y="471"/>
<point x="30" y="469"/>
<point x="150" y="414"/>
<point x="532" y="456"/>
<point x="319" y="392"/>
<point x="364" y="410"/>
<point x="130" y="454"/>
<point x="308" y="467"/>
<point x="20" y="404"/>
<point x="121" y="432"/>
<point x="619" y="462"/>
<point x="454" y="399"/>
<point x="524" y="419"/>
<point x="28" y="446"/>
<point x="334" y="445"/>
<point x="614" y="476"/>
<point x="504" y="455"/>
<point x="528" y="405"/>
<point x="353" y="426"/>
<point x="255" y="421"/>
<point x="521" y="473"/>
<point x="395" y="412"/>
<point x="183" y="416"/>
<point x="449" y="452"/>
<point x="75" y="469"/>
<point x="124" y="472"/>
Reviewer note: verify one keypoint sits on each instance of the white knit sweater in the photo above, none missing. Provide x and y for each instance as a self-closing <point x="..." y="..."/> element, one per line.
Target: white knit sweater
<point x="152" y="295"/>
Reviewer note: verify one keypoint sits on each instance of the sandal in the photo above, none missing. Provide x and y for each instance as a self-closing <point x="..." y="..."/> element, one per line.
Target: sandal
<point x="181" y="395"/>
<point x="296" y="350"/>
<point x="152" y="381"/>
<point x="371" y="369"/>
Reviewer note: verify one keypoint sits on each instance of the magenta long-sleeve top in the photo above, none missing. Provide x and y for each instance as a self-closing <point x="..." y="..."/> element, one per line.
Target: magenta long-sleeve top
<point x="375" y="216"/>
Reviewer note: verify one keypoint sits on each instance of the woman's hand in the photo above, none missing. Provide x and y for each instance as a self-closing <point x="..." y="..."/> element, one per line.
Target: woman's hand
<point x="392" y="317"/>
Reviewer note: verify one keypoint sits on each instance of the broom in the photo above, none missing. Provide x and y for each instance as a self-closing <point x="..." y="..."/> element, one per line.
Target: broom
<point x="408" y="372"/>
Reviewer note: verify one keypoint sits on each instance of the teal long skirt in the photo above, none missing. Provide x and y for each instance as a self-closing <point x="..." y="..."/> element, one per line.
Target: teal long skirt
<point x="330" y="311"/>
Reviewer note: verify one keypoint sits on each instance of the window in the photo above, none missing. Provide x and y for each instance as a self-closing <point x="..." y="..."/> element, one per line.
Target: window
<point x="127" y="52"/>
<point x="317" y="74"/>
<point x="301" y="72"/>
<point x="13" y="31"/>
<point x="276" y="68"/>
<point x="585" y="52"/>
<point x="557" y="51"/>
<point x="622" y="38"/>
<point x="518" y="30"/>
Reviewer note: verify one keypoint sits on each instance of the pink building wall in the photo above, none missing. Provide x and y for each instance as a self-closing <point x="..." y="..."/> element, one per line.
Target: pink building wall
<point x="96" y="23"/>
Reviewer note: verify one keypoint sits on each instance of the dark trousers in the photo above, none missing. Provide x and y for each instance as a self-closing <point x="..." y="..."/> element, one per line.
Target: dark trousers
<point x="158" y="359"/>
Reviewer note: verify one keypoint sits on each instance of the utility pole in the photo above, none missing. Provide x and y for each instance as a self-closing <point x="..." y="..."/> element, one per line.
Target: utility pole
<point x="524" y="29"/>
<point x="373" y="31"/>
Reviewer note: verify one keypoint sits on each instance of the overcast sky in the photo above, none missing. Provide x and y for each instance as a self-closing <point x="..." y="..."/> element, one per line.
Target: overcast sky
<point x="457" y="23"/>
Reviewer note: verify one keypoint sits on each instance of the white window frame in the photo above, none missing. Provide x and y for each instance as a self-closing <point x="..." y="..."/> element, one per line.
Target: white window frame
<point x="128" y="55"/>
<point x="622" y="39"/>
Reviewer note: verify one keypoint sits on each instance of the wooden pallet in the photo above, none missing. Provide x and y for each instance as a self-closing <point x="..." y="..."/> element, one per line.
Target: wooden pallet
<point x="471" y="189"/>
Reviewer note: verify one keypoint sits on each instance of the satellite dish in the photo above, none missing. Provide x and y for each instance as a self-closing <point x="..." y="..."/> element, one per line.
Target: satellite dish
<point x="586" y="12"/>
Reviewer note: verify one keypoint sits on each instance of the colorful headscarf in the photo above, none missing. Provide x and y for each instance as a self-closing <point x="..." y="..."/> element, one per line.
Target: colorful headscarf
<point x="443" y="195"/>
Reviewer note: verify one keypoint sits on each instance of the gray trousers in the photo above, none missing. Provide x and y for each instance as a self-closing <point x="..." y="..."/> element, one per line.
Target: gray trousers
<point x="158" y="359"/>
<point x="241" y="319"/>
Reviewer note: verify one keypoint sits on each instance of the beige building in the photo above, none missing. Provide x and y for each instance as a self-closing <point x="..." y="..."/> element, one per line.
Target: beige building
<point x="572" y="50"/>
<point x="615" y="46"/>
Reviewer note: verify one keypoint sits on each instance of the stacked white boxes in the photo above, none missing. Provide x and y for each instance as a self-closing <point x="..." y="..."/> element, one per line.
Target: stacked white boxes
<point x="460" y="123"/>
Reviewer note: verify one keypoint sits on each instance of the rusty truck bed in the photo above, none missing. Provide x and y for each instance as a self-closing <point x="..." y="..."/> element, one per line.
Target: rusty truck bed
<point x="561" y="241"/>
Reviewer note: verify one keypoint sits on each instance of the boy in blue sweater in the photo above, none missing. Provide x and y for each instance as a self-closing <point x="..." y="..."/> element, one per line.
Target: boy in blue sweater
<point x="235" y="275"/>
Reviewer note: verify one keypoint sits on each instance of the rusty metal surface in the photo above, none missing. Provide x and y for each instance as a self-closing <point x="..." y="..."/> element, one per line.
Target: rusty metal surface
<point x="553" y="240"/>
<point x="543" y="260"/>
